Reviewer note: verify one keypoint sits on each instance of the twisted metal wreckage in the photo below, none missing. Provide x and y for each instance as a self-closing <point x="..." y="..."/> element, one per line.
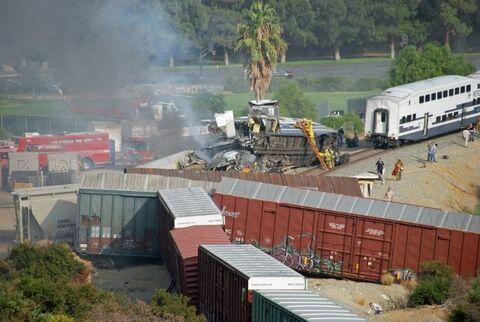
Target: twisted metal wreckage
<point x="264" y="142"/>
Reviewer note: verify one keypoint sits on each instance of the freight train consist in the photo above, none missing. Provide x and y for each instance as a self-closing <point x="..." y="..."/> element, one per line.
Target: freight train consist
<point x="357" y="238"/>
<point x="423" y="109"/>
<point x="238" y="256"/>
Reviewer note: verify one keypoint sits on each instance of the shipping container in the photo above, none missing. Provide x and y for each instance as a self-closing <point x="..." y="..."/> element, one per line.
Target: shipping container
<point x="342" y="185"/>
<point x="46" y="213"/>
<point x="180" y="208"/>
<point x="23" y="162"/>
<point x="117" y="222"/>
<point x="228" y="274"/>
<point x="63" y="162"/>
<point x="297" y="306"/>
<point x="346" y="236"/>
<point x="185" y="243"/>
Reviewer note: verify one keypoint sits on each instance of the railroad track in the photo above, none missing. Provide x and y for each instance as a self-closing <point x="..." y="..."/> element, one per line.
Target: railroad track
<point x="354" y="157"/>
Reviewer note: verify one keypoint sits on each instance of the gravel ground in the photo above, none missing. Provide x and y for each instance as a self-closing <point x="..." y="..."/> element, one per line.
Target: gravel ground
<point x="137" y="279"/>
<point x="355" y="297"/>
<point x="450" y="184"/>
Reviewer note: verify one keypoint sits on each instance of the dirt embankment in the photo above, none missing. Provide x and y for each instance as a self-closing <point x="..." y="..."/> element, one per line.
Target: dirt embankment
<point x="356" y="296"/>
<point x="452" y="183"/>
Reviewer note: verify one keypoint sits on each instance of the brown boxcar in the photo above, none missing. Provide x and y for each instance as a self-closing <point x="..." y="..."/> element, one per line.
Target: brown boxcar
<point x="228" y="274"/>
<point x="342" y="185"/>
<point x="352" y="237"/>
<point x="180" y="208"/>
<point x="185" y="243"/>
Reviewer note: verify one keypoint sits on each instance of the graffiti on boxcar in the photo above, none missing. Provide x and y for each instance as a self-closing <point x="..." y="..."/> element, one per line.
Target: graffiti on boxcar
<point x="305" y="260"/>
<point x="131" y="243"/>
<point x="232" y="214"/>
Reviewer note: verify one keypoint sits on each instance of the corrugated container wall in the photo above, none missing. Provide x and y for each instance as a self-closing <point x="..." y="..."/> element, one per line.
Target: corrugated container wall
<point x="117" y="222"/>
<point x="358" y="238"/>
<point x="297" y="306"/>
<point x="46" y="213"/>
<point x="185" y="243"/>
<point x="180" y="208"/>
<point x="229" y="273"/>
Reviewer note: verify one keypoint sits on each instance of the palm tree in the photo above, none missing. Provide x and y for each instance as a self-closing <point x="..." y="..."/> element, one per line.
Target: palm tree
<point x="262" y="44"/>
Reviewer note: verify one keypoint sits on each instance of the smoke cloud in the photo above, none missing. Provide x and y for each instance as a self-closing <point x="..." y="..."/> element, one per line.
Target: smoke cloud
<point x="93" y="42"/>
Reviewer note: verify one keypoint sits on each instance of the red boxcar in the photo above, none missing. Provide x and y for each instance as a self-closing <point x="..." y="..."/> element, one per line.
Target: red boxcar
<point x="179" y="208"/>
<point x="185" y="242"/>
<point x="352" y="237"/>
<point x="92" y="148"/>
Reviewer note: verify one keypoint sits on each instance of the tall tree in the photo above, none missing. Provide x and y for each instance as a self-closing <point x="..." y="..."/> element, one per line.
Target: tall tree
<point x="343" y="22"/>
<point x="394" y="19"/>
<point x="262" y="44"/>
<point x="222" y="29"/>
<point x="298" y="21"/>
<point x="452" y="14"/>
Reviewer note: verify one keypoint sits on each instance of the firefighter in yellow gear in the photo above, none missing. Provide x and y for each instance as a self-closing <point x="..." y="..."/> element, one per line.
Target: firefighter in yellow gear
<point x="329" y="157"/>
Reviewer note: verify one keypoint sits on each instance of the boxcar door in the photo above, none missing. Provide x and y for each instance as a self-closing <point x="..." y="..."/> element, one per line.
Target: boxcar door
<point x="372" y="248"/>
<point x="333" y="247"/>
<point x="425" y="124"/>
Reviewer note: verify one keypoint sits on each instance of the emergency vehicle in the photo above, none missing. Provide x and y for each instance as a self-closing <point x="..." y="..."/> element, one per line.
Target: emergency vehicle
<point x="93" y="149"/>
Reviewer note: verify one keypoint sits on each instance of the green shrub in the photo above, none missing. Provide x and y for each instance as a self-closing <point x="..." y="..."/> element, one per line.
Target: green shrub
<point x="293" y="102"/>
<point x="429" y="292"/>
<point x="55" y="262"/>
<point x="434" y="284"/>
<point x="167" y="305"/>
<point x="474" y="294"/>
<point x="205" y="104"/>
<point x="434" y="270"/>
<point x="236" y="85"/>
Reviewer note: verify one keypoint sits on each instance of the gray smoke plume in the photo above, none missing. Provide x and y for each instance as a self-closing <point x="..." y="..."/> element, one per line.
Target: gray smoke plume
<point x="92" y="42"/>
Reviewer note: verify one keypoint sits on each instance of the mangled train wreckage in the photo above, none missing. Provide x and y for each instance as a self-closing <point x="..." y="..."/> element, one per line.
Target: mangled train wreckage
<point x="262" y="142"/>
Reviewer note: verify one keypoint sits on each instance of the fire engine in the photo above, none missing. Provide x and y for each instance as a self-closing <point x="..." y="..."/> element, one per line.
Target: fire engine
<point x="93" y="149"/>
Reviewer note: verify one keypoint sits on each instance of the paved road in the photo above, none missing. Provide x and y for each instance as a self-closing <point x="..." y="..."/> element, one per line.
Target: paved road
<point x="7" y="222"/>
<point x="218" y="76"/>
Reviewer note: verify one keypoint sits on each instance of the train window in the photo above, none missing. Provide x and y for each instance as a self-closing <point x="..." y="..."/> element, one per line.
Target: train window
<point x="450" y="92"/>
<point x="402" y="120"/>
<point x="427" y="98"/>
<point x="384" y="117"/>
<point x="414" y="117"/>
<point x="421" y="99"/>
<point x="469" y="88"/>
<point x="439" y="95"/>
<point x="457" y="91"/>
<point x="450" y="116"/>
<point x="478" y="86"/>
<point x="434" y="96"/>
<point x="444" y="118"/>
<point x="445" y="93"/>
<point x="437" y="119"/>
<point x="409" y="118"/>
<point x="455" y="114"/>
<point x="462" y="89"/>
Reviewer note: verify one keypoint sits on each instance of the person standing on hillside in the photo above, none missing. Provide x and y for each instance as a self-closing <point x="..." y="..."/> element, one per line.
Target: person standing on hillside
<point x="398" y="169"/>
<point x="341" y="134"/>
<point x="389" y="194"/>
<point x="433" y="152"/>
<point x="466" y="137"/>
<point x="429" y="148"/>
<point x="380" y="169"/>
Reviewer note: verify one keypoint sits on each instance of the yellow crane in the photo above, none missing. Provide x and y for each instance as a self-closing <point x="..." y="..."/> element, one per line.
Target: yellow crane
<point x="326" y="158"/>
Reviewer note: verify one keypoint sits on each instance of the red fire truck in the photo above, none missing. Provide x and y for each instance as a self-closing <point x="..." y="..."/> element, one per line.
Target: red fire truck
<point x="92" y="148"/>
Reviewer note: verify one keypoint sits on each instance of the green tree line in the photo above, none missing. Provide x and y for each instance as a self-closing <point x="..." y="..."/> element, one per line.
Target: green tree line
<point x="330" y="26"/>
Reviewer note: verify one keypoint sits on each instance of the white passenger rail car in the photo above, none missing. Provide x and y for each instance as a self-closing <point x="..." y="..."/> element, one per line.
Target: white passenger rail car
<point x="423" y="109"/>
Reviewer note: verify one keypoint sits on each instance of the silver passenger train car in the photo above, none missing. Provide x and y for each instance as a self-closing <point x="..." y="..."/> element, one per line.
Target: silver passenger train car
<point x="423" y="109"/>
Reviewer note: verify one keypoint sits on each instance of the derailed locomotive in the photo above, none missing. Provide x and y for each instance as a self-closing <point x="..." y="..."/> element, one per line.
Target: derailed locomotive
<point x="278" y="143"/>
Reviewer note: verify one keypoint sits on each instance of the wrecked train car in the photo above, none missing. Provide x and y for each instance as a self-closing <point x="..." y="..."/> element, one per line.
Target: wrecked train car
<point x="46" y="213"/>
<point x="352" y="237"/>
